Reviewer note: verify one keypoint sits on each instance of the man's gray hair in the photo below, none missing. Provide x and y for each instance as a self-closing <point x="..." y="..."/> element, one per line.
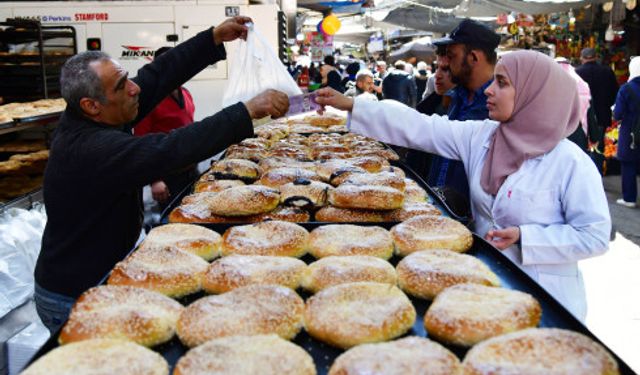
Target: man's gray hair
<point x="78" y="80"/>
<point x="362" y="74"/>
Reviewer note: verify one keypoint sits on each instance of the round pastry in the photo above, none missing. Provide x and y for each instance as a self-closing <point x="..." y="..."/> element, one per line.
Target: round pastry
<point x="332" y="214"/>
<point x="236" y="169"/>
<point x="331" y="147"/>
<point x="279" y="176"/>
<point x="290" y="152"/>
<point x="411" y="209"/>
<point x="384" y="178"/>
<point x="305" y="128"/>
<point x="409" y="355"/>
<point x="236" y="271"/>
<point x="169" y="271"/>
<point x="324" y="120"/>
<point x="215" y="185"/>
<point x="341" y="174"/>
<point x="369" y="197"/>
<point x="240" y="152"/>
<point x="191" y="213"/>
<point x="348" y="239"/>
<point x="335" y="270"/>
<point x="305" y="193"/>
<point x="424" y="274"/>
<point x="283" y="213"/>
<point x="430" y="232"/>
<point x="277" y="238"/>
<point x="466" y="314"/>
<point x="371" y="164"/>
<point x="122" y="312"/>
<point x="260" y="143"/>
<point x="351" y="314"/>
<point x="194" y="239"/>
<point x="100" y="356"/>
<point x="243" y="201"/>
<point x="270" y="163"/>
<point x="250" y="310"/>
<point x="414" y="193"/>
<point x="328" y="155"/>
<point x="248" y="355"/>
<point x="540" y="351"/>
<point x="387" y="153"/>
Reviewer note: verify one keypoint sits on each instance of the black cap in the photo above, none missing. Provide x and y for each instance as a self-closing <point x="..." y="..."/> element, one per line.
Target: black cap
<point x="471" y="32"/>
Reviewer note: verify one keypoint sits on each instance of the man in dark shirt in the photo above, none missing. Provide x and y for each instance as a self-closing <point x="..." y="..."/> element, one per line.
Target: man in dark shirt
<point x="604" y="88"/>
<point x="471" y="59"/>
<point x="400" y="85"/>
<point x="97" y="168"/>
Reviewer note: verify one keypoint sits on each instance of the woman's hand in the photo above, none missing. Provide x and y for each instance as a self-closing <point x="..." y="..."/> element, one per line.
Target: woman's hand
<point x="503" y="238"/>
<point x="328" y="96"/>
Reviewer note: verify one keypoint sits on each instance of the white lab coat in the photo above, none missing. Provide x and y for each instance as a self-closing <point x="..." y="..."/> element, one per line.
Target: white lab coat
<point x="556" y="199"/>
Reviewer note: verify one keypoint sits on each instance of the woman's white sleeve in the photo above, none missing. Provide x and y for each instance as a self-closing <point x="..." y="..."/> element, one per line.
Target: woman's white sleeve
<point x="394" y="123"/>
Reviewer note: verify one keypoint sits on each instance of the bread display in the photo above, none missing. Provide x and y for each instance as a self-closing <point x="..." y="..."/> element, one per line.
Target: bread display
<point x="249" y="310"/>
<point x="243" y="201"/>
<point x="334" y="270"/>
<point x="466" y="314"/>
<point x="122" y="312"/>
<point x="348" y="239"/>
<point x="235" y="169"/>
<point x="167" y="270"/>
<point x="194" y="239"/>
<point x="276" y="238"/>
<point x="424" y="274"/>
<point x="305" y="193"/>
<point x="369" y="197"/>
<point x="409" y="355"/>
<point x="430" y="232"/>
<point x="540" y="351"/>
<point x="236" y="271"/>
<point x="248" y="355"/>
<point x="99" y="356"/>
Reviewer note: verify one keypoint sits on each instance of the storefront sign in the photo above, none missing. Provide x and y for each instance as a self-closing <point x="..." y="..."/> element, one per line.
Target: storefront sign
<point x="91" y="16"/>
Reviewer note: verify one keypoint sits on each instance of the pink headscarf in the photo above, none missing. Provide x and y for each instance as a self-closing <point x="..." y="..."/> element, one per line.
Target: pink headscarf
<point x="583" y="91"/>
<point x="546" y="110"/>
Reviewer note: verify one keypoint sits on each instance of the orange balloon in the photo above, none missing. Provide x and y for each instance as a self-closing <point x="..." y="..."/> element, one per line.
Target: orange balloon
<point x="331" y="24"/>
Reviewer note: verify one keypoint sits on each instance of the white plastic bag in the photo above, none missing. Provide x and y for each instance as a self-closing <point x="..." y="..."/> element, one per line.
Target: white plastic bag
<point x="255" y="69"/>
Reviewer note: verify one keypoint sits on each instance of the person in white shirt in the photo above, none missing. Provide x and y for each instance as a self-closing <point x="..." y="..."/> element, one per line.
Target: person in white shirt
<point x="535" y="195"/>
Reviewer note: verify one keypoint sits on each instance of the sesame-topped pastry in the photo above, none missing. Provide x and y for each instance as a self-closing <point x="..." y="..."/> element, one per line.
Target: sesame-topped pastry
<point x="167" y="270"/>
<point x="334" y="270"/>
<point x="466" y="314"/>
<point x="371" y="197"/>
<point x="409" y="355"/>
<point x="426" y="273"/>
<point x="235" y="271"/>
<point x="247" y="355"/>
<point x="122" y="312"/>
<point x="351" y="314"/>
<point x="430" y="232"/>
<point x="412" y="209"/>
<point x="277" y="238"/>
<point x="279" y="176"/>
<point x="332" y="214"/>
<point x="215" y="186"/>
<point x="99" y="357"/>
<point x="250" y="310"/>
<point x="384" y="178"/>
<point x="304" y="193"/>
<point x="235" y="169"/>
<point x="194" y="239"/>
<point x="549" y="351"/>
<point x="348" y="239"/>
<point x="243" y="201"/>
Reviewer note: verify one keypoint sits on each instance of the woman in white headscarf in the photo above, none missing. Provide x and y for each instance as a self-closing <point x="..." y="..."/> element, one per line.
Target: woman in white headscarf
<point x="534" y="195"/>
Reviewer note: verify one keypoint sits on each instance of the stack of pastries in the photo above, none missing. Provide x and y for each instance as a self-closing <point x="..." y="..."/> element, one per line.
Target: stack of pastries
<point x="326" y="177"/>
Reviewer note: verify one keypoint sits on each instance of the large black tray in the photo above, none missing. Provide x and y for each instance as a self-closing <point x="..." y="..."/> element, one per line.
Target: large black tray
<point x="511" y="277"/>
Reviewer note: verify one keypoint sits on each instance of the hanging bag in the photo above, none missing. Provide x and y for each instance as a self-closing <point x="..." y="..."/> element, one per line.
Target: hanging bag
<point x="255" y="69"/>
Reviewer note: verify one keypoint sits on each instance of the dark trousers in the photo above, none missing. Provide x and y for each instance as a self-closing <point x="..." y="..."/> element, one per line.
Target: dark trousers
<point x="629" y="170"/>
<point x="53" y="308"/>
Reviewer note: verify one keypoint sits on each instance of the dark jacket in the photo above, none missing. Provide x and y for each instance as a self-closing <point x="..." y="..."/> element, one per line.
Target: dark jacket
<point x="420" y="161"/>
<point x="94" y="177"/>
<point x="334" y="80"/>
<point x="628" y="109"/>
<point x="603" y="85"/>
<point x="399" y="85"/>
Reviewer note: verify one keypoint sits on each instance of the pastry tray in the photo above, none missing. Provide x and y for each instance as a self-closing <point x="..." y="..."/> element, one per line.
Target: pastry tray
<point x="49" y="117"/>
<point x="8" y="124"/>
<point x="511" y="277"/>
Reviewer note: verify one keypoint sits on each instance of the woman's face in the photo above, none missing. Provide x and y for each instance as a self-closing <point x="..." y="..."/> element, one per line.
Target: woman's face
<point x="501" y="95"/>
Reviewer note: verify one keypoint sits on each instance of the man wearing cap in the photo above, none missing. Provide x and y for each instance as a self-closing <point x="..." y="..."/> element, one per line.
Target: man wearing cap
<point x="471" y="58"/>
<point x="604" y="87"/>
